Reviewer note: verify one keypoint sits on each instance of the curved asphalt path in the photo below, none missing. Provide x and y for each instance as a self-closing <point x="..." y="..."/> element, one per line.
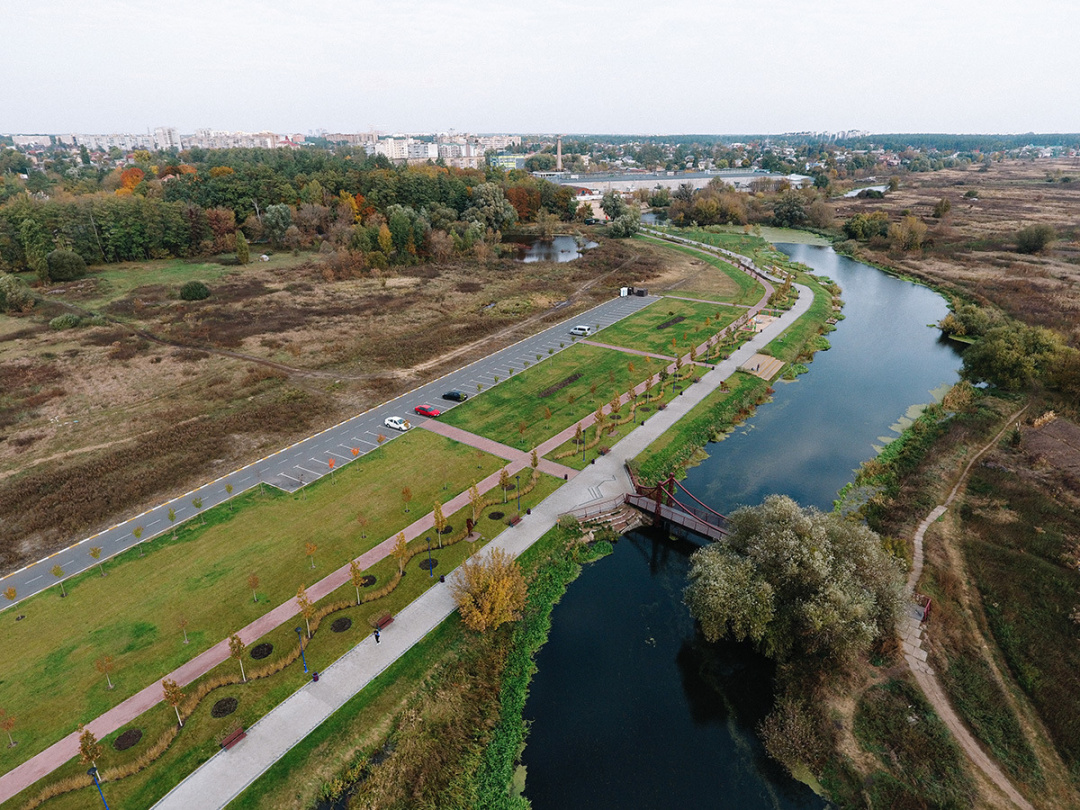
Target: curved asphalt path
<point x="308" y="460"/>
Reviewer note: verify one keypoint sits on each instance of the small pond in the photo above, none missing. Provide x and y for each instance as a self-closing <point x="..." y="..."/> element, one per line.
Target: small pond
<point x="556" y="249"/>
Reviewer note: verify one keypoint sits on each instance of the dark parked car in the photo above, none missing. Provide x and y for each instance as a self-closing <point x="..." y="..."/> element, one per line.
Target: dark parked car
<point x="456" y="396"/>
<point x="427" y="410"/>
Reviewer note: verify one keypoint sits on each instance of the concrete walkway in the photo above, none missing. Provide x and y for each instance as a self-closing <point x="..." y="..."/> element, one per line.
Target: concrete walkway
<point x="227" y="774"/>
<point x="911" y="635"/>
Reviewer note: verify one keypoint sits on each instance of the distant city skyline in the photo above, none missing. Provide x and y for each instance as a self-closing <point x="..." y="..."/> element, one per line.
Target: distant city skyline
<point x="607" y="67"/>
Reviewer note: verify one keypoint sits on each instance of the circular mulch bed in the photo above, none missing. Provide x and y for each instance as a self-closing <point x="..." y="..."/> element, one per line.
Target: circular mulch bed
<point x="447" y="529"/>
<point x="224" y="707"/>
<point x="341" y="625"/>
<point x="495" y="515"/>
<point x="127" y="739"/>
<point x="260" y="651"/>
<point x="510" y="487"/>
<point x="644" y="408"/>
<point x="427" y="565"/>
<point x="367" y="581"/>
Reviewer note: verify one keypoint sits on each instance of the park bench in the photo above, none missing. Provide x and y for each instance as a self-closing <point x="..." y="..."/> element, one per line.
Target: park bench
<point x="383" y="620"/>
<point x="234" y="736"/>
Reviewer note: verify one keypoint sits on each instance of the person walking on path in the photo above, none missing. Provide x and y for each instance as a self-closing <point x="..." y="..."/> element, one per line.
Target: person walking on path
<point x="376" y="635"/>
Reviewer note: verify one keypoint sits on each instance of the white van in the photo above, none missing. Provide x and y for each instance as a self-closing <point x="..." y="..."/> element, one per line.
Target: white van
<point x="582" y="331"/>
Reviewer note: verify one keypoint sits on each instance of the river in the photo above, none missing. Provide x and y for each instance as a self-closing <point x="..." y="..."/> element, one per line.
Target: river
<point x="630" y="708"/>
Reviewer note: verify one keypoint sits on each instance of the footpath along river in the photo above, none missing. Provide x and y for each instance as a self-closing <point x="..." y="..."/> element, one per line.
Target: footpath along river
<point x="630" y="707"/>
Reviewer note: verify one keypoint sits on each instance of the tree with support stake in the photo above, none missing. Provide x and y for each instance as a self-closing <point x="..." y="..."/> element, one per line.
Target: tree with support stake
<point x="105" y="665"/>
<point x="406" y="496"/>
<point x="476" y="501"/>
<point x="182" y="623"/>
<point x="137" y="533"/>
<point x="504" y="482"/>
<point x="310" y="549"/>
<point x="307" y="610"/>
<point x="439" y="522"/>
<point x="356" y="574"/>
<point x="173" y="696"/>
<point x="253" y="585"/>
<point x="7" y="723"/>
<point x="95" y="552"/>
<point x="197" y="503"/>
<point x="172" y="520"/>
<point x="58" y="572"/>
<point x="10" y="594"/>
<point x="400" y="552"/>
<point x="236" y="651"/>
<point x="331" y="463"/>
<point x="89" y="748"/>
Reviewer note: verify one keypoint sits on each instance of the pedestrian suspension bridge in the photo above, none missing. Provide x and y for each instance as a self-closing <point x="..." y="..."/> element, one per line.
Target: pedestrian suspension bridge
<point x="673" y="505"/>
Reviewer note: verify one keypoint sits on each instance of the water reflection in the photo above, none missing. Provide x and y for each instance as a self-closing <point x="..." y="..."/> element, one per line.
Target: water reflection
<point x="556" y="249"/>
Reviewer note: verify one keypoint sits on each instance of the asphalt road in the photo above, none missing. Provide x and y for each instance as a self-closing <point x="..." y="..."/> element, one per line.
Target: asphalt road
<point x="308" y="460"/>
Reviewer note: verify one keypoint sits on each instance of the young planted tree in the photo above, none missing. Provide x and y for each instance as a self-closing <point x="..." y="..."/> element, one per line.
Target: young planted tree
<point x="172" y="520"/>
<point x="362" y="521"/>
<point x="105" y="665"/>
<point x="173" y="696"/>
<point x="7" y="723"/>
<point x="406" y="496"/>
<point x="182" y="622"/>
<point x="58" y="572"/>
<point x="236" y="651"/>
<point x="601" y="420"/>
<point x="10" y="594"/>
<point x="400" y="551"/>
<point x="476" y="502"/>
<point x="310" y="549"/>
<point x="95" y="552"/>
<point x="534" y="460"/>
<point x="356" y="574"/>
<point x="137" y="533"/>
<point x="479" y="459"/>
<point x="522" y="428"/>
<point x="616" y="403"/>
<point x="253" y="586"/>
<point x="307" y="609"/>
<point x="579" y="435"/>
<point x="504" y="482"/>
<point x="197" y="503"/>
<point x="489" y="591"/>
<point x="89" y="748"/>
<point x="439" y="521"/>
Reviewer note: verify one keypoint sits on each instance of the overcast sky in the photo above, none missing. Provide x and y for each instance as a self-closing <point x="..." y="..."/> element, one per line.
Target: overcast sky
<point x="596" y="66"/>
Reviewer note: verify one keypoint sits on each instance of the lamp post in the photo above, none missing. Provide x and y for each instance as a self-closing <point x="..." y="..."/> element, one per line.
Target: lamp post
<point x="430" y="567"/>
<point x="300" y="635"/>
<point x="94" y="775"/>
<point x="518" y="479"/>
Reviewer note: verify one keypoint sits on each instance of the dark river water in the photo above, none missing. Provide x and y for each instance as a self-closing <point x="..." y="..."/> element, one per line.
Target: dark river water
<point x="630" y="707"/>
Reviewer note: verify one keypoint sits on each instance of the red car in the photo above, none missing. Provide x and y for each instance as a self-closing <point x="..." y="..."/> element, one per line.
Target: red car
<point x="427" y="410"/>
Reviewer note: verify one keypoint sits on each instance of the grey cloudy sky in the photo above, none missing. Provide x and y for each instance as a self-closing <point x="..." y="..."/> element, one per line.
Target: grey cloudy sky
<point x="621" y="66"/>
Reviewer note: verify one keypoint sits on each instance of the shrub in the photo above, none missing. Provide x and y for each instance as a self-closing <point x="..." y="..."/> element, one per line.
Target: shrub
<point x="65" y="265"/>
<point x="1034" y="238"/>
<point x="194" y="291"/>
<point x="15" y="296"/>
<point x="66" y="321"/>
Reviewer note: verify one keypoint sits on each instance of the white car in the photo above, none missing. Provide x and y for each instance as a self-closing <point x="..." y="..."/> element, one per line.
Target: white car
<point x="582" y="331"/>
<point x="397" y="423"/>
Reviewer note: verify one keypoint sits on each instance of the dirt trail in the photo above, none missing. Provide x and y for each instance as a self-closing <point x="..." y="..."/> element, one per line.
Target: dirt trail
<point x="916" y="656"/>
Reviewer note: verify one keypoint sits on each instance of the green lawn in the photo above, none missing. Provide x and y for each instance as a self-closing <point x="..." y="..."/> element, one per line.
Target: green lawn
<point x="500" y="410"/>
<point x="52" y="683"/>
<point x="748" y="291"/>
<point x="197" y="742"/>
<point x="655" y="327"/>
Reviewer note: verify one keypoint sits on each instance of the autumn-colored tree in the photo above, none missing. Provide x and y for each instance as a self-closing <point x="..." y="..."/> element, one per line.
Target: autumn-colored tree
<point x="106" y="665"/>
<point x="504" y="482"/>
<point x="362" y="521"/>
<point x="534" y="460"/>
<point x="95" y="552"/>
<point x="547" y="412"/>
<point x="330" y="464"/>
<point x="236" y="650"/>
<point x="137" y="533"/>
<point x="489" y="591"/>
<point x="579" y="435"/>
<point x="400" y="552"/>
<point x="406" y="496"/>
<point x="307" y="609"/>
<point x="380" y="438"/>
<point x="172" y="520"/>
<point x="197" y="503"/>
<point x="386" y="239"/>
<point x="522" y="428"/>
<point x="89" y="748"/>
<point x="630" y="367"/>
<point x="131" y="177"/>
<point x="439" y="522"/>
<point x="601" y="419"/>
<point x="58" y="572"/>
<point x="476" y="502"/>
<point x="229" y="491"/>
<point x="356" y="574"/>
<point x="7" y="723"/>
<point x="253" y="586"/>
<point x="173" y="696"/>
<point x="10" y="594"/>
<point x="310" y="549"/>
<point x="616" y="403"/>
<point x="355" y="452"/>
<point x="479" y="459"/>
<point x="182" y="622"/>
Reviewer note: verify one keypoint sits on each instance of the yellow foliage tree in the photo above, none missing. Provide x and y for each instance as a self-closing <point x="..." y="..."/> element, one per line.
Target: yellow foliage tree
<point x="489" y="591"/>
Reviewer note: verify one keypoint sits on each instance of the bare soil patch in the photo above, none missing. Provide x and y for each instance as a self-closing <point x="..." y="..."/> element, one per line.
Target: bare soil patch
<point x="224" y="707"/>
<point x="261" y="651"/>
<point x="128" y="739"/>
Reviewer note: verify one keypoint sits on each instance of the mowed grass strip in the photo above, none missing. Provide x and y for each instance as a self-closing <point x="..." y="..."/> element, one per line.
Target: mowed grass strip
<point x="514" y="412"/>
<point x="737" y="288"/>
<point x="655" y="327"/>
<point x="49" y="679"/>
<point x="198" y="740"/>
